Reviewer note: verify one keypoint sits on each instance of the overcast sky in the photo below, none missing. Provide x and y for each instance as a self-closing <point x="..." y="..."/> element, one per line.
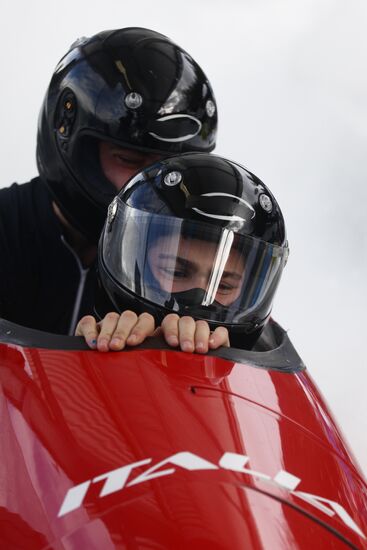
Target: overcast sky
<point x="291" y="85"/>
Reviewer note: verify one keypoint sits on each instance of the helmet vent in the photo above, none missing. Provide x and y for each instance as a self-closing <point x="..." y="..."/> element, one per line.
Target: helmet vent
<point x="66" y="114"/>
<point x="265" y="203"/>
<point x="133" y="100"/>
<point x="210" y="108"/>
<point x="172" y="178"/>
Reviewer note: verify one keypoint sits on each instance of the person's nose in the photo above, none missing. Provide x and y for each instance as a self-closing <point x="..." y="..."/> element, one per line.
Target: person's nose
<point x="201" y="281"/>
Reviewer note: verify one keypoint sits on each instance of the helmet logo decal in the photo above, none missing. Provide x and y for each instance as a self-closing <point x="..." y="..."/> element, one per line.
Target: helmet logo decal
<point x="172" y="178"/>
<point x="178" y="138"/>
<point x="224" y="217"/>
<point x="210" y="108"/>
<point x="133" y="100"/>
<point x="265" y="203"/>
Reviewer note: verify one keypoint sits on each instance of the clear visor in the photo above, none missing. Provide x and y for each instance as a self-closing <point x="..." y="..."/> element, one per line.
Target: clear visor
<point x="190" y="267"/>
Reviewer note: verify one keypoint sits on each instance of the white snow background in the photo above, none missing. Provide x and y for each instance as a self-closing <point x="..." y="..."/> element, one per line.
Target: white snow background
<point x="290" y="81"/>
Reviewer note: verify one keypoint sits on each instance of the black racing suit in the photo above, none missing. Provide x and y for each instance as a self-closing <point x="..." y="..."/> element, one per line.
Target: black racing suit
<point x="42" y="282"/>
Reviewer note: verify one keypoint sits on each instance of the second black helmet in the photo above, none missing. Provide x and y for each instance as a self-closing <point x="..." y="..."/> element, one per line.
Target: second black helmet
<point x="133" y="87"/>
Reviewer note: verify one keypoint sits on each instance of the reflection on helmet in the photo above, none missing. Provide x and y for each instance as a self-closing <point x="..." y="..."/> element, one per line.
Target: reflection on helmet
<point x="200" y="243"/>
<point x="133" y="87"/>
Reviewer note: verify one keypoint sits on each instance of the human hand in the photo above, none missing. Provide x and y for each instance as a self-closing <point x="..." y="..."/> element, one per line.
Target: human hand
<point x="191" y="335"/>
<point x="115" y="331"/>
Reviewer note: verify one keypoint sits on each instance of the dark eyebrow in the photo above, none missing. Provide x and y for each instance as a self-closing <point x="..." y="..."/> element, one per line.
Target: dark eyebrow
<point x="232" y="274"/>
<point x="182" y="261"/>
<point x="191" y="265"/>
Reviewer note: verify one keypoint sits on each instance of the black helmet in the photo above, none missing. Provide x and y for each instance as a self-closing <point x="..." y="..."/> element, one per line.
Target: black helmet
<point x="198" y="235"/>
<point x="131" y="86"/>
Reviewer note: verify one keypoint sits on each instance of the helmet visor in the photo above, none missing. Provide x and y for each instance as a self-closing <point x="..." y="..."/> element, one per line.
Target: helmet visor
<point x="190" y="267"/>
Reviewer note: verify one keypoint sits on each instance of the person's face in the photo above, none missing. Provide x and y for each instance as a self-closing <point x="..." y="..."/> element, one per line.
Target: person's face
<point x="120" y="164"/>
<point x="191" y="266"/>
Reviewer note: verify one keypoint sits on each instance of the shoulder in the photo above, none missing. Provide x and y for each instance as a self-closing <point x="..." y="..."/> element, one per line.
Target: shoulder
<point x="24" y="194"/>
<point x="24" y="205"/>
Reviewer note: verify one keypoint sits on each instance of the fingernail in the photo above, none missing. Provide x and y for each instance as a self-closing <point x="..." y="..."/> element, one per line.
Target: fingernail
<point x="132" y="339"/>
<point x="116" y="342"/>
<point x="172" y="340"/>
<point x="200" y="346"/>
<point x="212" y="341"/>
<point x="187" y="346"/>
<point x="102" y="345"/>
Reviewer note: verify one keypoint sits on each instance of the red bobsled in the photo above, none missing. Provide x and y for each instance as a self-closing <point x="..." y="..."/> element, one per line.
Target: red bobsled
<point x="152" y="448"/>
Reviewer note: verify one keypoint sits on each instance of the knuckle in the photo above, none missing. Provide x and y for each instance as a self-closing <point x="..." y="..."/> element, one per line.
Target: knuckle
<point x="86" y="320"/>
<point x="202" y="324"/>
<point x="145" y="316"/>
<point x="170" y="318"/>
<point x="187" y="321"/>
<point x="129" y="315"/>
<point x="186" y="318"/>
<point x="112" y="316"/>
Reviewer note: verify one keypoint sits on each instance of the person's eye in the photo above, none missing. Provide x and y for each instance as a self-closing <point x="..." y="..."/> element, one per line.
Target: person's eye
<point x="179" y="274"/>
<point x="176" y="273"/>
<point x="129" y="161"/>
<point x="225" y="288"/>
<point x="173" y="273"/>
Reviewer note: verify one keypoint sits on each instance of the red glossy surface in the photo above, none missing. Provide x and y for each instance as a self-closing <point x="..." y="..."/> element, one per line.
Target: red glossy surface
<point x="70" y="417"/>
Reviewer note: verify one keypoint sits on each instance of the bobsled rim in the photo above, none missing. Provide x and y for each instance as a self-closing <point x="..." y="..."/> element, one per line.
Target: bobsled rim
<point x="274" y="350"/>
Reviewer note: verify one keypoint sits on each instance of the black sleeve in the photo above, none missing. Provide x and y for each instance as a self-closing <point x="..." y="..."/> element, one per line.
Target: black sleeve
<point x="8" y="245"/>
<point x="22" y="209"/>
<point x="39" y="275"/>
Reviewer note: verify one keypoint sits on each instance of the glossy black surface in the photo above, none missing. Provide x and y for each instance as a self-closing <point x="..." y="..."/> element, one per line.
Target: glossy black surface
<point x="88" y="97"/>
